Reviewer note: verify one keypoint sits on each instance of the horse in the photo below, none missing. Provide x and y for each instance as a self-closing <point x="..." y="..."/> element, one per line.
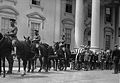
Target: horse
<point x="5" y="52"/>
<point x="41" y="52"/>
<point x="51" y="57"/>
<point x="24" y="52"/>
<point x="63" y="54"/>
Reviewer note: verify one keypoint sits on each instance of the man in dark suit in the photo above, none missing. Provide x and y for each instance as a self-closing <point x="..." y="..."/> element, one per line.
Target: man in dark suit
<point x="116" y="57"/>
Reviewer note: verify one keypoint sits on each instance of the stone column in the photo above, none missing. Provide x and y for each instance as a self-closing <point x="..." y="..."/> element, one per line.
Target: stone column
<point x="95" y="25"/>
<point x="119" y="25"/>
<point x="57" y="20"/>
<point x="79" y="23"/>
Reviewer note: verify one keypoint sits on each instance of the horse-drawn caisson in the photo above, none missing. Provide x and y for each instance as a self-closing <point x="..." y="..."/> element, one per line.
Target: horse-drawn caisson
<point x="57" y="56"/>
<point x="27" y="51"/>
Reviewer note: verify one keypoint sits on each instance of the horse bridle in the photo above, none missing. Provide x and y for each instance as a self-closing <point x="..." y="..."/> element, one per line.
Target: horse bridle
<point x="1" y="38"/>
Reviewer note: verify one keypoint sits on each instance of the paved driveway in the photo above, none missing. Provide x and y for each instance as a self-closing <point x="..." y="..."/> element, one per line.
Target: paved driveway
<point x="96" y="76"/>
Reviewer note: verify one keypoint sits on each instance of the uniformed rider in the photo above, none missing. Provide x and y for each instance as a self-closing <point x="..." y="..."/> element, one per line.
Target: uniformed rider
<point x="12" y="33"/>
<point x="36" y="38"/>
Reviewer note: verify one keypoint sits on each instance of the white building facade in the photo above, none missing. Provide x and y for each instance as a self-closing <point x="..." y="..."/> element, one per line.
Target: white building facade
<point x="83" y="22"/>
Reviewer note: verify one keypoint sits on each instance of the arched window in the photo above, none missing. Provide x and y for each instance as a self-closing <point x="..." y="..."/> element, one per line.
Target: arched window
<point x="7" y="13"/>
<point x="68" y="6"/>
<point x="36" y="22"/>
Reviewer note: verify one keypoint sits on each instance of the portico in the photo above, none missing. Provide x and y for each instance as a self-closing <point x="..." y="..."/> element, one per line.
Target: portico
<point x="103" y="24"/>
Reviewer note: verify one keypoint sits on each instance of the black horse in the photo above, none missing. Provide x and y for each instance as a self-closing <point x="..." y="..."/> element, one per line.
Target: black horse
<point x="24" y="52"/>
<point x="5" y="52"/>
<point x="63" y="55"/>
<point x="41" y="52"/>
<point x="51" y="57"/>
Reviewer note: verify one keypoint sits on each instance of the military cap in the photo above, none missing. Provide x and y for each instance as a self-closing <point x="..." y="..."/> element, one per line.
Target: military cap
<point x="116" y="45"/>
<point x="13" y="20"/>
<point x="36" y="30"/>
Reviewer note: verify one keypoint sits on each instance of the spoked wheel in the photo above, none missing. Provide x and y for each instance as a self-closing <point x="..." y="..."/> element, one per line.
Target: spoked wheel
<point x="61" y="65"/>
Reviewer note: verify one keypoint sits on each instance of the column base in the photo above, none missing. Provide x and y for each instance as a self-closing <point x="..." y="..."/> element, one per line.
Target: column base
<point x="94" y="49"/>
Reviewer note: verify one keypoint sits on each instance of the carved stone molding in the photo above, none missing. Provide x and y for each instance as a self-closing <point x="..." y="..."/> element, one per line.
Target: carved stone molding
<point x="36" y="15"/>
<point x="68" y="21"/>
<point x="13" y="1"/>
<point x="9" y="10"/>
<point x="108" y="29"/>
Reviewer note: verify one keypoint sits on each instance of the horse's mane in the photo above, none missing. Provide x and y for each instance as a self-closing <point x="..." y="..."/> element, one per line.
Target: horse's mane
<point x="56" y="46"/>
<point x="5" y="45"/>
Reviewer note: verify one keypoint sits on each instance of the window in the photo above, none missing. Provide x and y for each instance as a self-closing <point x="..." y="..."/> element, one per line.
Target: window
<point x="89" y="11"/>
<point x="108" y="14"/>
<point x="69" y="6"/>
<point x="34" y="26"/>
<point x="5" y="25"/>
<point x="107" y="46"/>
<point x="119" y="32"/>
<point x="36" y="2"/>
<point x="68" y="35"/>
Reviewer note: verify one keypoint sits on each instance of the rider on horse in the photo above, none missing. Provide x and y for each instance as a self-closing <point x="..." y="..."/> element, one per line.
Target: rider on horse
<point x="12" y="33"/>
<point x="36" y="39"/>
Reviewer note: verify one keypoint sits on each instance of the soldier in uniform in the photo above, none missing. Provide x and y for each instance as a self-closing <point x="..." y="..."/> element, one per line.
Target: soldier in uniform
<point x="12" y="33"/>
<point x="36" y="40"/>
<point x="115" y="58"/>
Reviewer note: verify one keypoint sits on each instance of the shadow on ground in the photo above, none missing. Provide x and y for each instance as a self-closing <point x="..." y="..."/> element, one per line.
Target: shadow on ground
<point x="47" y="72"/>
<point x="28" y="77"/>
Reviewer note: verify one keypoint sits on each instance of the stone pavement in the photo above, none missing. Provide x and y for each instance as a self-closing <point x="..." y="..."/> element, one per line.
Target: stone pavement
<point x="69" y="76"/>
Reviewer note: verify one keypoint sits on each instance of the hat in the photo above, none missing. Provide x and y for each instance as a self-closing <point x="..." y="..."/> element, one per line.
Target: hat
<point x="36" y="30"/>
<point x="116" y="45"/>
<point x="13" y="20"/>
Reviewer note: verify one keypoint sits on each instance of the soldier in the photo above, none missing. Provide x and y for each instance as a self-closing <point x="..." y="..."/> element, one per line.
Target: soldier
<point x="62" y="42"/>
<point x="115" y="58"/>
<point x="12" y="33"/>
<point x="36" y="40"/>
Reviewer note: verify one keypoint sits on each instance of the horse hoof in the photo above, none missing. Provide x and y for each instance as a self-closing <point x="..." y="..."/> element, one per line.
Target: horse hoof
<point x="55" y="69"/>
<point x="9" y="72"/>
<point x="3" y="76"/>
<point x="39" y="71"/>
<point x="46" y="70"/>
<point x="28" y="71"/>
<point x="18" y="70"/>
<point x="23" y="74"/>
<point x="32" y="71"/>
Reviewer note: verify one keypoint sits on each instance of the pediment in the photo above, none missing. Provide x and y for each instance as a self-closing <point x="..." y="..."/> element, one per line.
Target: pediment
<point x="8" y="10"/>
<point x="68" y="21"/>
<point x="36" y="15"/>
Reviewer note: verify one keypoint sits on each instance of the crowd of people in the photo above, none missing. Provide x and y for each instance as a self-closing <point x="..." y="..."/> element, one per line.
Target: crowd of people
<point x="102" y="59"/>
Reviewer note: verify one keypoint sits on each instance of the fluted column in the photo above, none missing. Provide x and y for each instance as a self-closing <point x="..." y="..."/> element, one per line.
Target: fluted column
<point x="79" y="23"/>
<point x="95" y="27"/>
<point x="57" y="20"/>
<point x="119" y="25"/>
